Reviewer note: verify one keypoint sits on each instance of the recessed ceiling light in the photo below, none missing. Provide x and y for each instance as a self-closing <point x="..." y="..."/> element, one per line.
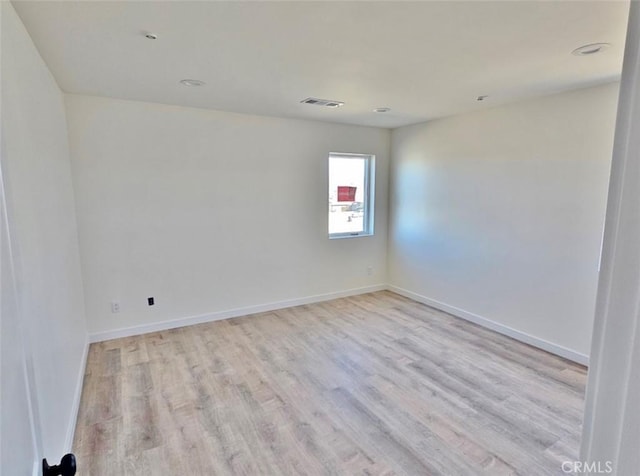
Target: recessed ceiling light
<point x="482" y="98"/>
<point x="590" y="49"/>
<point x="151" y="36"/>
<point x="382" y="109"/>
<point x="192" y="83"/>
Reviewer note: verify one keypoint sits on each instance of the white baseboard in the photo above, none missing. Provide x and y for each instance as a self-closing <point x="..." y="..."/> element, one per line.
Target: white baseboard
<point x="243" y="311"/>
<point x="556" y="349"/>
<point x="71" y="429"/>
<point x="228" y="314"/>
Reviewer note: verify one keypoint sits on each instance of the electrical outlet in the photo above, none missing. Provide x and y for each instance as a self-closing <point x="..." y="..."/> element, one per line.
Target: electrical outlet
<point x="115" y="307"/>
<point x="151" y="301"/>
<point x="370" y="270"/>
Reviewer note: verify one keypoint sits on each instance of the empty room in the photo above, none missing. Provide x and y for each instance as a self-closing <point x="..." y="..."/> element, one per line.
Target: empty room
<point x="320" y="238"/>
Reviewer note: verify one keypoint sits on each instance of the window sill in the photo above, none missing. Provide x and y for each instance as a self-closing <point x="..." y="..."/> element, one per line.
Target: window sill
<point x="349" y="235"/>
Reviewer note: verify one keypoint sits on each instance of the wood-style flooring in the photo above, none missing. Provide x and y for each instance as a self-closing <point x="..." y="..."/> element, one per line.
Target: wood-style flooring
<point x="375" y="384"/>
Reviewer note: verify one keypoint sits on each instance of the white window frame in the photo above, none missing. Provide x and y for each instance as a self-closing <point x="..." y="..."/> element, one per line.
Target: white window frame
<point x="369" y="194"/>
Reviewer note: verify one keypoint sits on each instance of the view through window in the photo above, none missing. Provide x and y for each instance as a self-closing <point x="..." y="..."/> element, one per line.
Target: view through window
<point x="350" y="197"/>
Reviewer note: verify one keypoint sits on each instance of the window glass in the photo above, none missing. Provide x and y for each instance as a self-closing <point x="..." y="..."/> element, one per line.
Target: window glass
<point x="350" y="198"/>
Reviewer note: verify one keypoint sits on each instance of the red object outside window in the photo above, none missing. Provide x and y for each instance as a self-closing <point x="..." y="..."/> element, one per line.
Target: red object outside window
<point x="346" y="194"/>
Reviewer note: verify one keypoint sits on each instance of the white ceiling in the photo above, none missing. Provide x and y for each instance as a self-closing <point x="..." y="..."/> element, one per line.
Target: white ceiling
<point x="422" y="59"/>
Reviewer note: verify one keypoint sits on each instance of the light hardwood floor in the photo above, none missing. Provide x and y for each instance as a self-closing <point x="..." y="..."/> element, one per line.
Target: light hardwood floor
<point x="373" y="384"/>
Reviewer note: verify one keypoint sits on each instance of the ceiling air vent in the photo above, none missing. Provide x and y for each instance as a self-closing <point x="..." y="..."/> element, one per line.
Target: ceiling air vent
<point x="322" y="102"/>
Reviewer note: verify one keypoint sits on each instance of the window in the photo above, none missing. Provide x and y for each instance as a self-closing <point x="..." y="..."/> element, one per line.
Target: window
<point x="351" y="187"/>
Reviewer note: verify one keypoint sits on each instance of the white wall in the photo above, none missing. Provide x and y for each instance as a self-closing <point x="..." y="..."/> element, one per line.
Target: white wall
<point x="44" y="248"/>
<point x="498" y="215"/>
<point x="210" y="211"/>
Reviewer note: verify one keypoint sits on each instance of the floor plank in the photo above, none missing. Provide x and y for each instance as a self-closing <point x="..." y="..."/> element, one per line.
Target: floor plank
<point x="375" y="384"/>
